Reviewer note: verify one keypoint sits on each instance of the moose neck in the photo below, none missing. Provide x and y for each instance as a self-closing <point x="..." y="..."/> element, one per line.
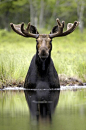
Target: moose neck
<point x="42" y="65"/>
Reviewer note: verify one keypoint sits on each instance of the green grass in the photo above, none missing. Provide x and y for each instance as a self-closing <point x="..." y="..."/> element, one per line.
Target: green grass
<point x="16" y="52"/>
<point x="71" y="56"/>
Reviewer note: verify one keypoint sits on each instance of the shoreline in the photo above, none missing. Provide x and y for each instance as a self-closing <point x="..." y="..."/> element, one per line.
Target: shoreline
<point x="64" y="81"/>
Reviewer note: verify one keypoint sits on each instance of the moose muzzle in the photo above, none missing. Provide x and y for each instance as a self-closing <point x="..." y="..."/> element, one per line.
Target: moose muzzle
<point x="43" y="52"/>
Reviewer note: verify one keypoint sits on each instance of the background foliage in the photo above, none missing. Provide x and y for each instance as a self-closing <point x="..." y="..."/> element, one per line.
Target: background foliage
<point x="42" y="13"/>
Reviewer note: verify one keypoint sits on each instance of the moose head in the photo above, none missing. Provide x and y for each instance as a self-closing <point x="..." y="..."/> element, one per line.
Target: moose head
<point x="44" y="42"/>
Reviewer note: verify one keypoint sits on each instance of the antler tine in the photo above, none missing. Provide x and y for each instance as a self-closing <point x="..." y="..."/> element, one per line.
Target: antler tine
<point x="17" y="28"/>
<point x="60" y="28"/>
<point x="63" y="22"/>
<point x="28" y="27"/>
<point x="60" y="25"/>
<point x="58" y="21"/>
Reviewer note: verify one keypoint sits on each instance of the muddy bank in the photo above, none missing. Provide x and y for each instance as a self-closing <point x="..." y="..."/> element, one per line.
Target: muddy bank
<point x="70" y="81"/>
<point x="64" y="81"/>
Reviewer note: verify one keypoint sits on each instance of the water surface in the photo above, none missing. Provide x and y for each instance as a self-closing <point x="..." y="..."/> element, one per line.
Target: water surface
<point x="69" y="113"/>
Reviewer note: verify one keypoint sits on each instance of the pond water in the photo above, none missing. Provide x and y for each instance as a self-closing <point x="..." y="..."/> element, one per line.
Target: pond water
<point x="63" y="109"/>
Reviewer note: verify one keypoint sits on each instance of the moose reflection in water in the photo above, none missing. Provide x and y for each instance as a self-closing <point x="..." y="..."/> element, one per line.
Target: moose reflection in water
<point x="42" y="103"/>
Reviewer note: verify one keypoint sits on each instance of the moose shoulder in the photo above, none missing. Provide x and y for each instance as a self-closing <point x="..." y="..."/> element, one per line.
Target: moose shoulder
<point x="42" y="73"/>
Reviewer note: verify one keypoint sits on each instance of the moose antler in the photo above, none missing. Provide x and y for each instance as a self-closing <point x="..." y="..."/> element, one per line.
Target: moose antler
<point x="19" y="28"/>
<point x="70" y="28"/>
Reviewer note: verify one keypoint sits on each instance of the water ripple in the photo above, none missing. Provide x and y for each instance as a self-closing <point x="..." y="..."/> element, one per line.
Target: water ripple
<point x="61" y="88"/>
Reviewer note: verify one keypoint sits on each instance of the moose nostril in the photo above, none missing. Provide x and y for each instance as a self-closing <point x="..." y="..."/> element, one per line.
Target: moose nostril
<point x="43" y="52"/>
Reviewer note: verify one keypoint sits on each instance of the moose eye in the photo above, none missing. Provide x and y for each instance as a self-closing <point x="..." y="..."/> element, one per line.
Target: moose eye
<point x="37" y="41"/>
<point x="51" y="42"/>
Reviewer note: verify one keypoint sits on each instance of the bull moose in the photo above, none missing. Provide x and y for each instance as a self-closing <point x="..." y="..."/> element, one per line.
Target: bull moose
<point x="42" y="71"/>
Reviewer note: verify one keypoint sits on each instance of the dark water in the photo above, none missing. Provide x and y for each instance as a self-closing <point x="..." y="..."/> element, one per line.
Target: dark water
<point x="46" y="109"/>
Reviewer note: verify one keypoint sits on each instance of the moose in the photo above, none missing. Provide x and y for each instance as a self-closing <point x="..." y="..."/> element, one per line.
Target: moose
<point x="42" y="71"/>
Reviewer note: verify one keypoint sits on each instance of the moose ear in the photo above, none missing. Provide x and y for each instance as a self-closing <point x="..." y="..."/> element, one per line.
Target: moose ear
<point x="33" y="30"/>
<point x="55" y="29"/>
